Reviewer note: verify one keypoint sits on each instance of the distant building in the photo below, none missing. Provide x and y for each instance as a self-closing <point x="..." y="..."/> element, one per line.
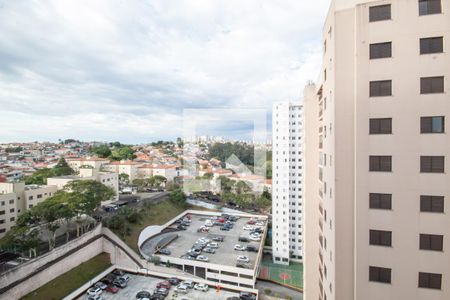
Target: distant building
<point x="124" y="167"/>
<point x="95" y="162"/>
<point x="287" y="182"/>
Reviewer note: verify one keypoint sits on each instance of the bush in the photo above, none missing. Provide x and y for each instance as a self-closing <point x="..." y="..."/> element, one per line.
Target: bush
<point x="156" y="260"/>
<point x="287" y="297"/>
<point x="267" y="291"/>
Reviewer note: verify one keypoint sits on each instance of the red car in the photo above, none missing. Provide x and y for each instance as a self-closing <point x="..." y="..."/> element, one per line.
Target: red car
<point x="112" y="289"/>
<point x="221" y="220"/>
<point x="163" y="284"/>
<point x="251" y="222"/>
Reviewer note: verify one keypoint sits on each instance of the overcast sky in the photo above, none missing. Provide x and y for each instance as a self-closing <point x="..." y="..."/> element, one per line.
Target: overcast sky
<point x="125" y="69"/>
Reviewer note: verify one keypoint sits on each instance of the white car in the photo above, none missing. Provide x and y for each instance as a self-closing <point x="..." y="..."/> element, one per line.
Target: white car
<point x="182" y="289"/>
<point x="125" y="277"/>
<point x="94" y="291"/>
<point x="239" y="247"/>
<point x="254" y="238"/>
<point x="213" y="245"/>
<point x="202" y="258"/>
<point x="259" y="224"/>
<point x="248" y="227"/>
<point x="243" y="258"/>
<point x="209" y="223"/>
<point x="201" y="287"/>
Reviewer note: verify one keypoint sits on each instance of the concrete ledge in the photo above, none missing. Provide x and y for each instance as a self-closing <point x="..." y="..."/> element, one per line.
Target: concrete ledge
<point x="85" y="286"/>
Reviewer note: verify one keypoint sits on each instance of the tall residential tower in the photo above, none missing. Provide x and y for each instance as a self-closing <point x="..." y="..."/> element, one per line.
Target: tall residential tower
<point x="377" y="223"/>
<point x="287" y="182"/>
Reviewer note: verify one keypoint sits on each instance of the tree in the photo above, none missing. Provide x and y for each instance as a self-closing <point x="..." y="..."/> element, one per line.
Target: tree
<point x="178" y="196"/>
<point x="62" y="168"/>
<point x="13" y="149"/>
<point x="226" y="184"/>
<point x="102" y="151"/>
<point x="242" y="187"/>
<point x="122" y="153"/>
<point x="156" y="181"/>
<point x="124" y="178"/>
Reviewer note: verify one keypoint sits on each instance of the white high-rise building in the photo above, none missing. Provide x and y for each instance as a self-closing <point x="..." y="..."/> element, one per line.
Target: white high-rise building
<point x="287" y="182"/>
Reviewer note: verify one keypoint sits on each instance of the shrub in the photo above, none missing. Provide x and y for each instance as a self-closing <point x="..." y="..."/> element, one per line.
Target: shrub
<point x="267" y="291"/>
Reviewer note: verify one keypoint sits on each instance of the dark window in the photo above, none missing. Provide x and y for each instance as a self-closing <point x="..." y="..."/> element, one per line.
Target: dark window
<point x="380" y="126"/>
<point x="432" y="164"/>
<point x="381" y="88"/>
<point x="380" y="201"/>
<point x="2" y="230"/>
<point x="380" y="50"/>
<point x="432" y="85"/>
<point x="431" y="242"/>
<point x="432" y="124"/>
<point x="380" y="163"/>
<point x="380" y="13"/>
<point x="431" y="203"/>
<point x="430" y="280"/>
<point x="380" y="237"/>
<point x="431" y="45"/>
<point x="429" y="7"/>
<point x="379" y="274"/>
<point x="2" y="212"/>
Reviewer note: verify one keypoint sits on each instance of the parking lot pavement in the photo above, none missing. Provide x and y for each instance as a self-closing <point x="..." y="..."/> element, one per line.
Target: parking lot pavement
<point x="139" y="283"/>
<point x="188" y="237"/>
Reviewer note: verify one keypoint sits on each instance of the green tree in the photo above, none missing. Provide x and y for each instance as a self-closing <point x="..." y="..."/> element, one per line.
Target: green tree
<point x="122" y="153"/>
<point x="102" y="151"/>
<point x="124" y="178"/>
<point x="242" y="187"/>
<point x="39" y="177"/>
<point x="62" y="168"/>
<point x="178" y="196"/>
<point x="226" y="184"/>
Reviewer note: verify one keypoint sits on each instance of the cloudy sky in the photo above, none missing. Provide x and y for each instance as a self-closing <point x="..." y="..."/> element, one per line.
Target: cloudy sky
<point x="125" y="69"/>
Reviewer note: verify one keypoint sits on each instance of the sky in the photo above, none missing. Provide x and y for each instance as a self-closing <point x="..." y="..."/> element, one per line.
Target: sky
<point x="126" y="70"/>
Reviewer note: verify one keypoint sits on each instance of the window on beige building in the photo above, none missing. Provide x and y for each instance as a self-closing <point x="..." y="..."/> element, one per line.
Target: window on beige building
<point x="432" y="164"/>
<point x="380" y="50"/>
<point x="380" y="163"/>
<point x="432" y="124"/>
<point x="380" y="238"/>
<point x="431" y="242"/>
<point x="381" y="88"/>
<point x="380" y="201"/>
<point x="429" y="7"/>
<point x="380" y="126"/>
<point x="432" y="45"/>
<point x="431" y="203"/>
<point x="379" y="13"/>
<point x="379" y="274"/>
<point x="432" y="85"/>
<point x="430" y="280"/>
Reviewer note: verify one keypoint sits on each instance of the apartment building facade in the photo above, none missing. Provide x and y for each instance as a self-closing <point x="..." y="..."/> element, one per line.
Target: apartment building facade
<point x="16" y="198"/>
<point x="377" y="154"/>
<point x="287" y="182"/>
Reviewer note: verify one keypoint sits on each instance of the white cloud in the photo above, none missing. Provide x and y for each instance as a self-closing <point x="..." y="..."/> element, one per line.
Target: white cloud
<point x="124" y="70"/>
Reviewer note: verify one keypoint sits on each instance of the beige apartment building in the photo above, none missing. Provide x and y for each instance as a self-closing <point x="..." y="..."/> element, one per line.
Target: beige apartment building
<point x="16" y="198"/>
<point x="378" y="154"/>
<point x="95" y="162"/>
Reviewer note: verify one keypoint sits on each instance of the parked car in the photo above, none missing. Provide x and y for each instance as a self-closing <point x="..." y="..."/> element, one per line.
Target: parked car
<point x="187" y="256"/>
<point x="181" y="227"/>
<point x="190" y="284"/>
<point x="218" y="238"/>
<point x="241" y="265"/>
<point x="233" y="298"/>
<point x="101" y="285"/>
<point x="255" y="238"/>
<point x="248" y="227"/>
<point x="163" y="284"/>
<point x="251" y="222"/>
<point x="157" y="297"/>
<point x="125" y="278"/>
<point x="118" y="272"/>
<point x="225" y="228"/>
<point x="143" y="295"/>
<point x="94" y="291"/>
<point x="243" y="258"/>
<point x="182" y="289"/>
<point x="120" y="283"/>
<point x="209" y="250"/>
<point x="162" y="291"/>
<point x="213" y="245"/>
<point x="251" y="248"/>
<point x="202" y="258"/>
<point x="259" y="224"/>
<point x="94" y="297"/>
<point x="239" y="247"/>
<point x="112" y="289"/>
<point x="165" y="251"/>
<point x="108" y="279"/>
<point x="247" y="296"/>
<point x="201" y="287"/>
<point x="243" y="239"/>
<point x="173" y="280"/>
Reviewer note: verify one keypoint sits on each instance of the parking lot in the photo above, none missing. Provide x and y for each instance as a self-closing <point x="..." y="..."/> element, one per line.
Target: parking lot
<point x="139" y="283"/>
<point x="225" y="254"/>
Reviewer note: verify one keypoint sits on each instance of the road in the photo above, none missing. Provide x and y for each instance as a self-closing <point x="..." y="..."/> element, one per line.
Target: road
<point x="278" y="289"/>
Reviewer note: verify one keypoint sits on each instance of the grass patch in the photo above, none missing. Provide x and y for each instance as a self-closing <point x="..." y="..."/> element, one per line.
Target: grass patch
<point x="156" y="214"/>
<point x="63" y="285"/>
